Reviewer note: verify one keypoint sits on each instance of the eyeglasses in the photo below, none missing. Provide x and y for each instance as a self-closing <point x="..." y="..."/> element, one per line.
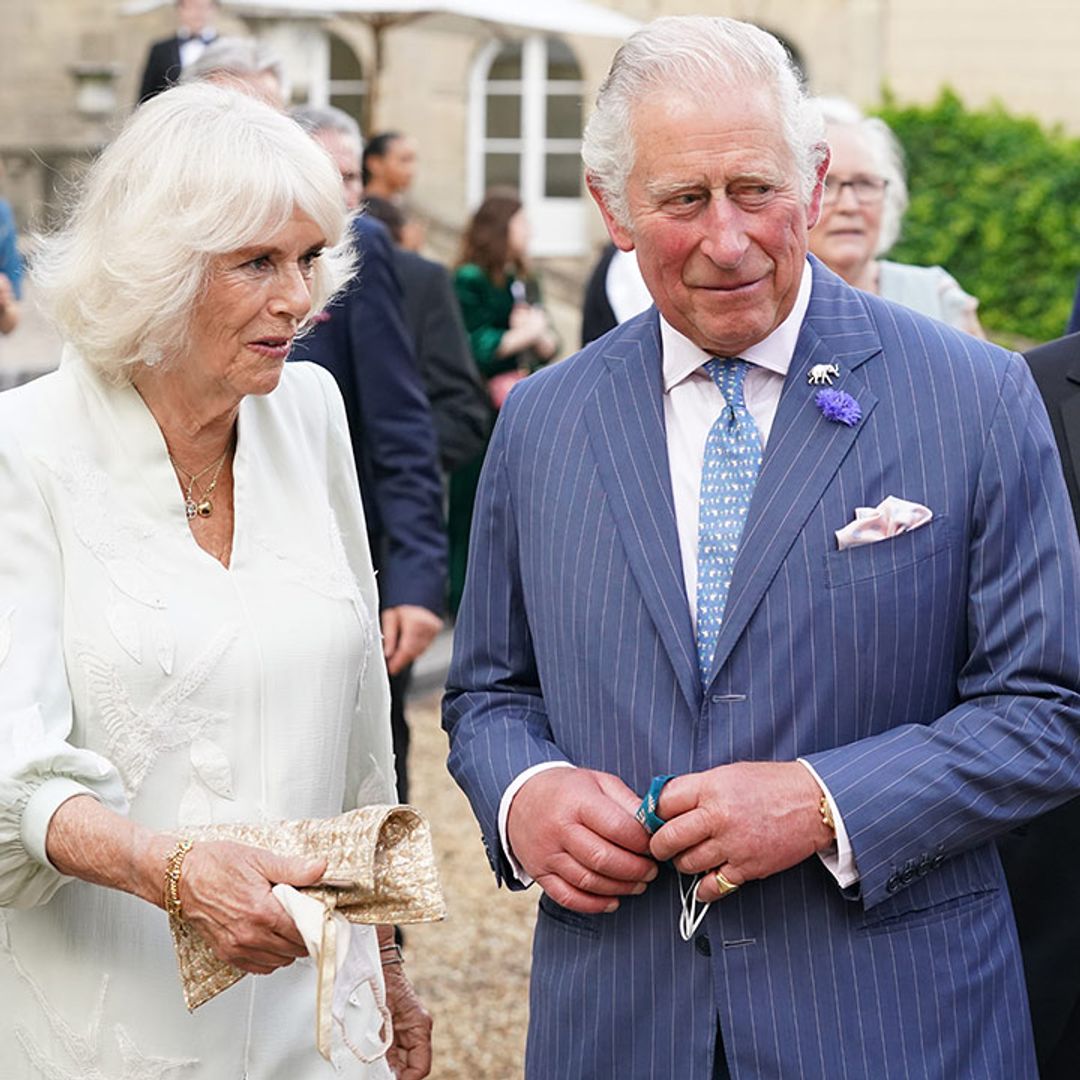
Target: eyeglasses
<point x="867" y="190"/>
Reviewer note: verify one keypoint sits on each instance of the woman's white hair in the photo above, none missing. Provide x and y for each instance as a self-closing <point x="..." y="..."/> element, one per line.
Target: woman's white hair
<point x="884" y="147"/>
<point x="692" y="57"/>
<point x="197" y="172"/>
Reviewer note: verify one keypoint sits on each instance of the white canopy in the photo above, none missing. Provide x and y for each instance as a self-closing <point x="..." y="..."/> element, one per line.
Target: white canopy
<point x="548" y="16"/>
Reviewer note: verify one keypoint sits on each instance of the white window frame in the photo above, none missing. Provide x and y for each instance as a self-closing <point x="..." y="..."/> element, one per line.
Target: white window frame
<point x="558" y="224"/>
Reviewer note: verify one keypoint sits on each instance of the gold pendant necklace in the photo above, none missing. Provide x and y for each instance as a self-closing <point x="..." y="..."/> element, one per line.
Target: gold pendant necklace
<point x="203" y="507"/>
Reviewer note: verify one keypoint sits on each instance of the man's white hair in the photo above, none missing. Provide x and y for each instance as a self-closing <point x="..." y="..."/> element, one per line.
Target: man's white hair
<point x="316" y="118"/>
<point x="691" y="58"/>
<point x="884" y="147"/>
<point x="197" y="172"/>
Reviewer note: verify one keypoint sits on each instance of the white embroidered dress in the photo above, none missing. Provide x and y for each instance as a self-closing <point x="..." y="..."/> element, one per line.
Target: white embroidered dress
<point x="135" y="666"/>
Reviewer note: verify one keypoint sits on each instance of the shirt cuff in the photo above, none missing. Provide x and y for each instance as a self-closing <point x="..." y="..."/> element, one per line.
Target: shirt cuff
<point x="39" y="810"/>
<point x="504" y="812"/>
<point x="839" y="859"/>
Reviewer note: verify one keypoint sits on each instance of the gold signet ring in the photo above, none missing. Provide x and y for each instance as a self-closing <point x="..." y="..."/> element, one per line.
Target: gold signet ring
<point x="723" y="884"/>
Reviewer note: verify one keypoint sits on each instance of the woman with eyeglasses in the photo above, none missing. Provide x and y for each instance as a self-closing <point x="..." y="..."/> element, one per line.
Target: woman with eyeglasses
<point x="861" y="211"/>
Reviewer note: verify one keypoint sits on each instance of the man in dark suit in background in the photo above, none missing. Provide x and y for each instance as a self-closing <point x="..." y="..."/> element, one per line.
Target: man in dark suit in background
<point x="168" y="58"/>
<point x="459" y="402"/>
<point x="363" y="340"/>
<point x="1040" y="858"/>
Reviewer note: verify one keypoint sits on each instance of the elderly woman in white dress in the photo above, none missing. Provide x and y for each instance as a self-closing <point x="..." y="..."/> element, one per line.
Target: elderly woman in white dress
<point x="187" y="610"/>
<point x="862" y="210"/>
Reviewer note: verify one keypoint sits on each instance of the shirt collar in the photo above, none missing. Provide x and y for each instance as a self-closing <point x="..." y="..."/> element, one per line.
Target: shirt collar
<point x="682" y="357"/>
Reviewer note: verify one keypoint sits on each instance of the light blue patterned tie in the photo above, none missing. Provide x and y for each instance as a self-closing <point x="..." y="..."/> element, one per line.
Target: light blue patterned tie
<point x="728" y="475"/>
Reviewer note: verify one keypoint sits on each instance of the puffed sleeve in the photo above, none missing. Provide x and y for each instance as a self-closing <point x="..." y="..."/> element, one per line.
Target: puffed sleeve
<point x="370" y="773"/>
<point x="39" y="768"/>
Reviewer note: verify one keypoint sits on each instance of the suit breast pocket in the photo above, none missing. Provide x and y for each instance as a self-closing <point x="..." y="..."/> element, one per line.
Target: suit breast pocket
<point x="885" y="557"/>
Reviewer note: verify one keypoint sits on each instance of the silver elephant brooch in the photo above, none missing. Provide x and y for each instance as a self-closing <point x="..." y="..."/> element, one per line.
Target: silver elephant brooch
<point x="822" y="374"/>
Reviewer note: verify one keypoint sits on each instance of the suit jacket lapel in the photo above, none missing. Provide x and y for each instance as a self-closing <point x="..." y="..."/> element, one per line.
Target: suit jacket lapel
<point x="804" y="450"/>
<point x="626" y="426"/>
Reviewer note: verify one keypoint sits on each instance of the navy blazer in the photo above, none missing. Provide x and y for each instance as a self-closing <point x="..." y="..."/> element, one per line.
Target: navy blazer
<point x="455" y="391"/>
<point x="933" y="681"/>
<point x="363" y="342"/>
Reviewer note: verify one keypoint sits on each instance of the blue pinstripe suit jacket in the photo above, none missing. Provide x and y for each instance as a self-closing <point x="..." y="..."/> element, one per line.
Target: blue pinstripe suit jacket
<point x="931" y="679"/>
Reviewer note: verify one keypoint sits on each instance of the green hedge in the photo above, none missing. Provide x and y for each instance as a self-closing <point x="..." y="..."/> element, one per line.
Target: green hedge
<point x="995" y="199"/>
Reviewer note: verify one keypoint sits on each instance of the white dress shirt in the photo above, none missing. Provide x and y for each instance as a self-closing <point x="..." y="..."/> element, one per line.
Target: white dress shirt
<point x="192" y="46"/>
<point x="624" y="286"/>
<point x="692" y="403"/>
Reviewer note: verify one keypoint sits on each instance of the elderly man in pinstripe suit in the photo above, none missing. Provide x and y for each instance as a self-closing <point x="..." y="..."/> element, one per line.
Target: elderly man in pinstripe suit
<point x="809" y="553"/>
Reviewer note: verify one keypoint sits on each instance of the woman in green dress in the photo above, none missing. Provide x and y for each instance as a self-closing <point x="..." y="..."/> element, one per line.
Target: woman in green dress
<point x="510" y="335"/>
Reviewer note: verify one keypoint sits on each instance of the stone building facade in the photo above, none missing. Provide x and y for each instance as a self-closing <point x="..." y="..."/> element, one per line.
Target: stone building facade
<point x="486" y="108"/>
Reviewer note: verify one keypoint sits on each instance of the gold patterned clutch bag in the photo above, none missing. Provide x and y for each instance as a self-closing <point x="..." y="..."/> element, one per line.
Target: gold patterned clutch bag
<point x="379" y="860"/>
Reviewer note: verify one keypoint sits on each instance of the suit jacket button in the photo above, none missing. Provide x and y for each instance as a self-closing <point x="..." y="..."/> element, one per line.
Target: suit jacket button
<point x="908" y="876"/>
<point x="892" y="884"/>
<point x="936" y="861"/>
<point x="701" y="943"/>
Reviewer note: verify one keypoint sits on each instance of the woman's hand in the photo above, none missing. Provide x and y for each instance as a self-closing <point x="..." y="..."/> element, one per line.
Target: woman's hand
<point x="224" y="888"/>
<point x="225" y="895"/>
<point x="410" y="1054"/>
<point x="527" y="325"/>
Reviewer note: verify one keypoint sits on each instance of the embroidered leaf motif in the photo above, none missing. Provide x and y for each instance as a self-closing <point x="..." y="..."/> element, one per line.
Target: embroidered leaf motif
<point x="137" y="1066"/>
<point x="376" y="786"/>
<point x="195" y="806"/>
<point x="125" y="628"/>
<point x="136" y="738"/>
<point x="132" y="580"/>
<point x="83" y="1051"/>
<point x="212" y="766"/>
<point x="118" y="542"/>
<point x="5" y="635"/>
<point x="330" y="574"/>
<point x="164" y="646"/>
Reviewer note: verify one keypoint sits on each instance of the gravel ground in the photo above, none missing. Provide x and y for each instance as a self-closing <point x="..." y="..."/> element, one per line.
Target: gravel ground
<point x="472" y="971"/>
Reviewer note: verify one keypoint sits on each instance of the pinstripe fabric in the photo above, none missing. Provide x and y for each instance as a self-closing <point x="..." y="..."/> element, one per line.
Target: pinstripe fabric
<point x="931" y="680"/>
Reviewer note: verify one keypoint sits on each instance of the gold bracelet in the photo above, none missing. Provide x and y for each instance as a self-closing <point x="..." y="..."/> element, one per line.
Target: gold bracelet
<point x="825" y="810"/>
<point x="174" y="863"/>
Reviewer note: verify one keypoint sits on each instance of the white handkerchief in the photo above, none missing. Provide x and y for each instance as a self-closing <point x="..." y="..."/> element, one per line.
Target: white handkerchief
<point x="889" y="517"/>
<point x="350" y="991"/>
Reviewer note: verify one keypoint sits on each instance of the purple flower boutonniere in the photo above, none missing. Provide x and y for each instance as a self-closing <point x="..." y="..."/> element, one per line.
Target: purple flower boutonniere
<point x="838" y="406"/>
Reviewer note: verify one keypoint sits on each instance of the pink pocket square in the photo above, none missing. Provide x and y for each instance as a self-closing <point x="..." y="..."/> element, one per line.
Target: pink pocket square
<point x="890" y="517"/>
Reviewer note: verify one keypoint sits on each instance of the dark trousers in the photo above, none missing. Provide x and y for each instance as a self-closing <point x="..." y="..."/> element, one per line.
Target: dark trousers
<point x="399" y="727"/>
<point x="720" y="1069"/>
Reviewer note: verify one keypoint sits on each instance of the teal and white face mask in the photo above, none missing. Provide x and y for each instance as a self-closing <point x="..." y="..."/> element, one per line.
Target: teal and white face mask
<point x="693" y="910"/>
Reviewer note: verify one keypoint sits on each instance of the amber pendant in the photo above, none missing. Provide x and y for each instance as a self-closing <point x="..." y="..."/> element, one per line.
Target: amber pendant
<point x="205" y="508"/>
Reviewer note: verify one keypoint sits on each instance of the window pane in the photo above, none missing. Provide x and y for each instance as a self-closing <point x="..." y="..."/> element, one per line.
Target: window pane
<point x="343" y="61"/>
<point x="504" y="116"/>
<point x="562" y="176"/>
<point x="563" y="117"/>
<point x="507" y="64"/>
<point x="561" y="62"/>
<point x="353" y="104"/>
<point x="502" y="170"/>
